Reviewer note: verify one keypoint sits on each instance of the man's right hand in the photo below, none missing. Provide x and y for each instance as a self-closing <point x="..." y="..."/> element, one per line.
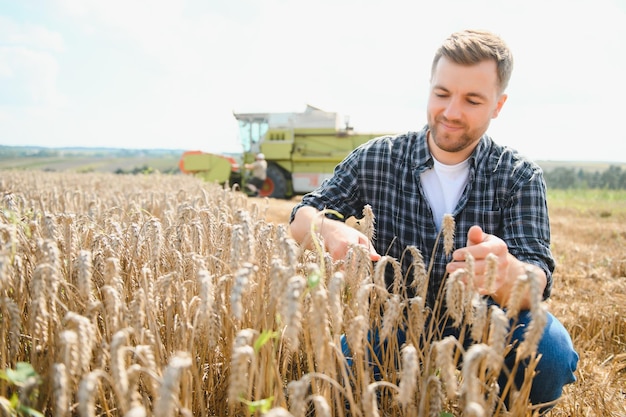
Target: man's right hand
<point x="337" y="236"/>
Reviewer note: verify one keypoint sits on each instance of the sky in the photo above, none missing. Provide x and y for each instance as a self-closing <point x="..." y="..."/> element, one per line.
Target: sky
<point x="169" y="74"/>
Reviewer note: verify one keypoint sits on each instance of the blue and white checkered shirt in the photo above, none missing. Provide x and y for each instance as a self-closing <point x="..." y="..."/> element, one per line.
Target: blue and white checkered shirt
<point x="505" y="195"/>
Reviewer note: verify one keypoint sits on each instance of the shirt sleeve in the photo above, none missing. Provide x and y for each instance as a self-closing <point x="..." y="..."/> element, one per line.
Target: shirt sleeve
<point x="341" y="192"/>
<point x="526" y="222"/>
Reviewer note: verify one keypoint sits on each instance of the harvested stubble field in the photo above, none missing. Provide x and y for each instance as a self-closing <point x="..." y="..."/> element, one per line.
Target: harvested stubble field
<point x="165" y="296"/>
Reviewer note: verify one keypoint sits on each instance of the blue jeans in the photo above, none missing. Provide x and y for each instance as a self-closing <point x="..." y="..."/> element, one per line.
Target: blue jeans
<point x="556" y="366"/>
<point x="554" y="370"/>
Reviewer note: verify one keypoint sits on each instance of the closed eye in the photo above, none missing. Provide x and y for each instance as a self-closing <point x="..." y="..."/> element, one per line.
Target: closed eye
<point x="475" y="99"/>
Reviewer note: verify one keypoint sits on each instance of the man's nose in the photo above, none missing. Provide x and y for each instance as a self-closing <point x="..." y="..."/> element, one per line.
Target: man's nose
<point x="453" y="109"/>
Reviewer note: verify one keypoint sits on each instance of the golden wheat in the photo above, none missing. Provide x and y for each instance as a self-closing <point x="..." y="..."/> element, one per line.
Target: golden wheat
<point x="164" y="296"/>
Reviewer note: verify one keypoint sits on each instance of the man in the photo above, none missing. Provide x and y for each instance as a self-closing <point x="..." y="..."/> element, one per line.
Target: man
<point x="496" y="196"/>
<point x="259" y="174"/>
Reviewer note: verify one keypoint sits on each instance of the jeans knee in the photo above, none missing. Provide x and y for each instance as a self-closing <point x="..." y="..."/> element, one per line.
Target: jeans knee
<point x="557" y="364"/>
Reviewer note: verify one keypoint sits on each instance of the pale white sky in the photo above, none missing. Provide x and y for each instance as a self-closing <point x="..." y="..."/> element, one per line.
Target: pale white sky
<point x="169" y="74"/>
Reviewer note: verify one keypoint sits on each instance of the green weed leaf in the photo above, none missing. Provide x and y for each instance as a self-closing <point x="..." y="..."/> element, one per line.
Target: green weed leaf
<point x="263" y="338"/>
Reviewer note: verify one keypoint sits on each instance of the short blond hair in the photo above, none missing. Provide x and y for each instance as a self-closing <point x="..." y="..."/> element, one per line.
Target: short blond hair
<point x="470" y="47"/>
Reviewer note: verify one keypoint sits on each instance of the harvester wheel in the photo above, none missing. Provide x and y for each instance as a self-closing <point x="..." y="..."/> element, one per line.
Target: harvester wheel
<point x="276" y="184"/>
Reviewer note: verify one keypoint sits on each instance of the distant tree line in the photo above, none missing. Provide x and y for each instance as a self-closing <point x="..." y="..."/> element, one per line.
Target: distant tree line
<point x="19" y="151"/>
<point x="613" y="178"/>
<point x="145" y="169"/>
<point x="43" y="152"/>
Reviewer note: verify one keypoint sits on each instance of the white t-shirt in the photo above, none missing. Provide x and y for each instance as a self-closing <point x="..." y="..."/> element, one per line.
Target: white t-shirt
<point x="444" y="185"/>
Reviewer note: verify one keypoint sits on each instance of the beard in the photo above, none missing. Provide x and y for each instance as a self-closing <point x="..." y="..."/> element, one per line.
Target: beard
<point x="452" y="142"/>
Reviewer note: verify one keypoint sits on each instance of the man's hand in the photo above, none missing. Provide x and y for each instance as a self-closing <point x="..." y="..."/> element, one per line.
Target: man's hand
<point x="337" y="236"/>
<point x="481" y="244"/>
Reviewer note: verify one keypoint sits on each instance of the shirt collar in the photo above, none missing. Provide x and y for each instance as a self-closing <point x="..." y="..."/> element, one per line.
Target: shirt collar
<point x="423" y="160"/>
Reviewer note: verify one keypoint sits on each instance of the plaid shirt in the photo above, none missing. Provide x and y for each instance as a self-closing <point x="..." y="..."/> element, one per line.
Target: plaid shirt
<point x="505" y="195"/>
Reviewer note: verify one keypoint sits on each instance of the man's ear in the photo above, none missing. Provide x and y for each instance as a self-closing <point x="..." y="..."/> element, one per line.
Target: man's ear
<point x="499" y="105"/>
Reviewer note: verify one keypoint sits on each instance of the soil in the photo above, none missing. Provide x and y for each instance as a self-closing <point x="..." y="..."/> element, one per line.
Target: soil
<point x="278" y="210"/>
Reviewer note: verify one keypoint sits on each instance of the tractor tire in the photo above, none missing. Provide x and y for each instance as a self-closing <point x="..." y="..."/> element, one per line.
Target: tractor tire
<point x="275" y="185"/>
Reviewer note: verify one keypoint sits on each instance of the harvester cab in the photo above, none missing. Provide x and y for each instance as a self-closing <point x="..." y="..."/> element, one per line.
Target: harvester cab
<point x="298" y="147"/>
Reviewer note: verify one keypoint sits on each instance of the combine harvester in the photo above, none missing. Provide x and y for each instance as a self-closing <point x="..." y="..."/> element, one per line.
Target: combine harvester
<point x="301" y="149"/>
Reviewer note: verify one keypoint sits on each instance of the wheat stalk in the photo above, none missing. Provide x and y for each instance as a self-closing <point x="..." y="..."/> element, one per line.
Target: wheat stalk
<point x="291" y="312"/>
<point x="444" y="361"/>
<point x="410" y="371"/>
<point x="167" y="399"/>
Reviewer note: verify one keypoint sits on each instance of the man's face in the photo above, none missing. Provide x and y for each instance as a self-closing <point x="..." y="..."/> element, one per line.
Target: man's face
<point x="463" y="100"/>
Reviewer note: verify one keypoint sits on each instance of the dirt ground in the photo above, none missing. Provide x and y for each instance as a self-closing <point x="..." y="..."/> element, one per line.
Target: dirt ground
<point x="278" y="210"/>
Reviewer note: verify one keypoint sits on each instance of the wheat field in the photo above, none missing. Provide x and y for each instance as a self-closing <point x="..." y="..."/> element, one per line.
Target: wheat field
<point x="166" y="296"/>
